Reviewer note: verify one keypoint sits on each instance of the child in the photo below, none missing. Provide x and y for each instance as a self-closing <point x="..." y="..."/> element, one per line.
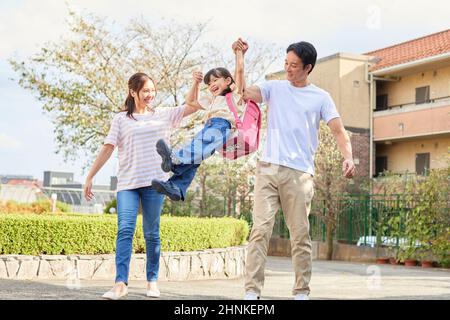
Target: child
<point x="220" y="124"/>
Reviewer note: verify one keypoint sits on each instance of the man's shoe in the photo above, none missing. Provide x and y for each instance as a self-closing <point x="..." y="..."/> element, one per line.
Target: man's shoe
<point x="165" y="152"/>
<point x="167" y="189"/>
<point x="251" y="296"/>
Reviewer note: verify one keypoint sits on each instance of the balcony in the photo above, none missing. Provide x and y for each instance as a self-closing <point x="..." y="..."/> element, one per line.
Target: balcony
<point x="413" y="120"/>
<point x="399" y="108"/>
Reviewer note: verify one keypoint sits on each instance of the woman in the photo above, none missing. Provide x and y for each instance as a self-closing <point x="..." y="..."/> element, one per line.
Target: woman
<point x="135" y="131"/>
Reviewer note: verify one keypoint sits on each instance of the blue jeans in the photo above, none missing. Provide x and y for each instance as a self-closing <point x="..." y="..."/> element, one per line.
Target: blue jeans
<point x="127" y="210"/>
<point x="213" y="136"/>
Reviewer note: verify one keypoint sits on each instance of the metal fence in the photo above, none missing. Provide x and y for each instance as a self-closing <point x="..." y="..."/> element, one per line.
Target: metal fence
<point x="357" y="217"/>
<point x="75" y="199"/>
<point x="70" y="196"/>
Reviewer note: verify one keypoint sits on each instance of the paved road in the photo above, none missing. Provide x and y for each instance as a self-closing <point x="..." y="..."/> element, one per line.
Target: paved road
<point x="330" y="280"/>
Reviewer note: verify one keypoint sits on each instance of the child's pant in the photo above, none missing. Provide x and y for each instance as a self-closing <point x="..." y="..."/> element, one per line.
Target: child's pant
<point x="213" y="136"/>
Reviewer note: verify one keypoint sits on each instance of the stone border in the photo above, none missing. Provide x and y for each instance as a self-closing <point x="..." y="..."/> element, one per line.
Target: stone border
<point x="226" y="263"/>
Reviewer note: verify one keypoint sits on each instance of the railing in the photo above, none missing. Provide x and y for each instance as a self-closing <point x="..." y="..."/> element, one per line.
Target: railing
<point x="403" y="105"/>
<point x="357" y="217"/>
<point x="73" y="197"/>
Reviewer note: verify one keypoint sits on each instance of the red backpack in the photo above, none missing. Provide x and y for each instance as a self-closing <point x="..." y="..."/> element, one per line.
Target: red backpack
<point x="246" y="140"/>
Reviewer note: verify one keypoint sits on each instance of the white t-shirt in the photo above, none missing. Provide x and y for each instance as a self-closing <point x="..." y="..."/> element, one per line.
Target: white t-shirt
<point x="139" y="162"/>
<point x="293" y="123"/>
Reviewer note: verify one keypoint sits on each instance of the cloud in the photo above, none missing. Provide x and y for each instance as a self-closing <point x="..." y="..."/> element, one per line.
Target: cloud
<point x="9" y="143"/>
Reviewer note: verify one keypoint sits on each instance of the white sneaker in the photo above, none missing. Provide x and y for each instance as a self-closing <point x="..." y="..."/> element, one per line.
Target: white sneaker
<point x="113" y="295"/>
<point x="153" y="293"/>
<point x="301" y="296"/>
<point x="251" y="296"/>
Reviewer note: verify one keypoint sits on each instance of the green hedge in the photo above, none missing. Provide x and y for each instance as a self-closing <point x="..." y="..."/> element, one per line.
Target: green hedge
<point x="87" y="234"/>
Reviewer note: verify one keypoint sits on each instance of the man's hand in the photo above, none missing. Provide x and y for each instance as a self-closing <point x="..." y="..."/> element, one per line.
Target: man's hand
<point x="197" y="76"/>
<point x="348" y="168"/>
<point x="240" y="45"/>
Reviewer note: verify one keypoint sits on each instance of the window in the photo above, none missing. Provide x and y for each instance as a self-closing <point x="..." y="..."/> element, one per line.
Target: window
<point x="422" y="163"/>
<point x="423" y="95"/>
<point x="382" y="102"/>
<point x="380" y="165"/>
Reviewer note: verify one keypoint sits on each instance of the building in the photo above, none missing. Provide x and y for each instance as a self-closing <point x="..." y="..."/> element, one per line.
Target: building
<point x="71" y="192"/>
<point x="19" y="188"/>
<point x="53" y="178"/>
<point x="395" y="101"/>
<point x="23" y="180"/>
<point x="411" y="120"/>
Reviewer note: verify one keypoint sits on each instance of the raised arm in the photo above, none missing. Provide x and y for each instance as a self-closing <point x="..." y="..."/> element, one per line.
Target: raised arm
<point x="192" y="104"/>
<point x="239" y="71"/>
<point x="252" y="92"/>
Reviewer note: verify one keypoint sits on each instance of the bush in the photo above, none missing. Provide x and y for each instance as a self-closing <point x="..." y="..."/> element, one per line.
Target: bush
<point x="424" y="218"/>
<point x="86" y="234"/>
<point x="38" y="207"/>
<point x="111" y="204"/>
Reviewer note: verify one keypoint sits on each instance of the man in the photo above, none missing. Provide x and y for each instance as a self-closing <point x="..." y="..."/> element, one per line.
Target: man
<point x="284" y="174"/>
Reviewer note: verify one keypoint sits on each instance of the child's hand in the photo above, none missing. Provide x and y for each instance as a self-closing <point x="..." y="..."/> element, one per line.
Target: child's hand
<point x="197" y="76"/>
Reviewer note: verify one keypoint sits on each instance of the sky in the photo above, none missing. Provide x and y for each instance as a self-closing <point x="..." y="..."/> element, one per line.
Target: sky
<point x="27" y="144"/>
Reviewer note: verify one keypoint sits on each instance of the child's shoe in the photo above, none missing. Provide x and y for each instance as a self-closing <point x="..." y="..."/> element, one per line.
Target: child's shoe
<point x="167" y="189"/>
<point x="165" y="152"/>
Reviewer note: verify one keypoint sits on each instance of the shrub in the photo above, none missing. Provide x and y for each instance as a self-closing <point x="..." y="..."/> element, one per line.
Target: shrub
<point x="111" y="204"/>
<point x="87" y="234"/>
<point x="37" y="207"/>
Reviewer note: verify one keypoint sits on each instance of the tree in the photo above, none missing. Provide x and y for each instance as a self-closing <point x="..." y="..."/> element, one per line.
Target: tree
<point x="81" y="79"/>
<point x="329" y="183"/>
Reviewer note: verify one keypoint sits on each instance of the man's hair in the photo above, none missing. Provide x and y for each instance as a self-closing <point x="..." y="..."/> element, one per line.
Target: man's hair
<point x="306" y="52"/>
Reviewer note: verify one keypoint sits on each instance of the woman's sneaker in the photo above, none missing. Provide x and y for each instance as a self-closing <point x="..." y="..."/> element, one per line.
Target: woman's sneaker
<point x="251" y="296"/>
<point x="152" y="290"/>
<point x="114" y="294"/>
<point x="165" y="152"/>
<point x="167" y="189"/>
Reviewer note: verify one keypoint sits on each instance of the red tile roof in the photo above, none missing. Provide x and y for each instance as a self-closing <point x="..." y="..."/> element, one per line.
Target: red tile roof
<point x="424" y="47"/>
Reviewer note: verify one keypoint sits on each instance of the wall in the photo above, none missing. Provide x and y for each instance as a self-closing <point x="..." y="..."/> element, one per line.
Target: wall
<point x="404" y="91"/>
<point x="402" y="154"/>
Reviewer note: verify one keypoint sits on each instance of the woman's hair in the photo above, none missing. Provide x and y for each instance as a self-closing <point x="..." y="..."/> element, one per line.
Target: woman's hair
<point x="219" y="73"/>
<point x="135" y="83"/>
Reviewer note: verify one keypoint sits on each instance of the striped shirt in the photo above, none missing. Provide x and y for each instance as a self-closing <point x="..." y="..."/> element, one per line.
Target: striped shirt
<point x="139" y="163"/>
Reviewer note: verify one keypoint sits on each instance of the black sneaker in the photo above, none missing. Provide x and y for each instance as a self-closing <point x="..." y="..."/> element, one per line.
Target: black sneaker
<point x="167" y="189"/>
<point x="164" y="151"/>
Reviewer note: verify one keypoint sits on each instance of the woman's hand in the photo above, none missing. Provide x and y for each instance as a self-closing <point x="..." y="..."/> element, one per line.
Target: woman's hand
<point x="88" y="195"/>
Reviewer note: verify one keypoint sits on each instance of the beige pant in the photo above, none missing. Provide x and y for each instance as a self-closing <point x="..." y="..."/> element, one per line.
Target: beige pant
<point x="292" y="190"/>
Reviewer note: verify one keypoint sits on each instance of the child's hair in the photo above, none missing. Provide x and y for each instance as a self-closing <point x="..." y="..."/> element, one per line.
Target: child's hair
<point x="219" y="73"/>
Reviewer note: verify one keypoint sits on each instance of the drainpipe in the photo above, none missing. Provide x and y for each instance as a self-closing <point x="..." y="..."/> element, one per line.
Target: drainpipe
<point x="370" y="80"/>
